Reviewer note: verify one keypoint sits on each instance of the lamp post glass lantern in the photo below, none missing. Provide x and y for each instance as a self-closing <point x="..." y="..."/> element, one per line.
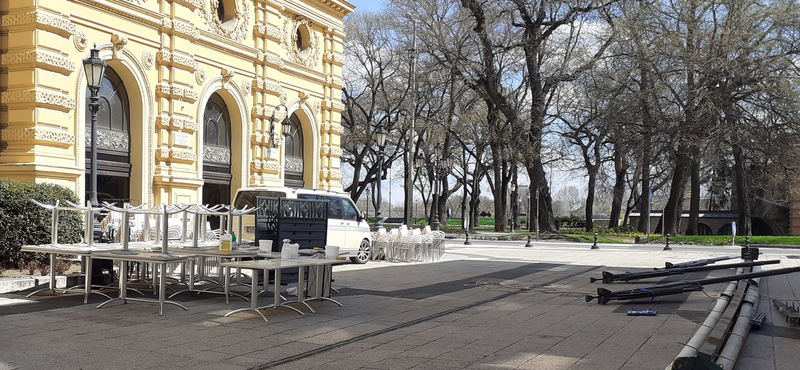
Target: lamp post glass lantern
<point x="94" y="67"/>
<point x="380" y="137"/>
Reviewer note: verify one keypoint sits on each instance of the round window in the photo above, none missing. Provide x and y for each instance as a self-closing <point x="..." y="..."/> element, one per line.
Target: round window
<point x="224" y="10"/>
<point x="302" y="39"/>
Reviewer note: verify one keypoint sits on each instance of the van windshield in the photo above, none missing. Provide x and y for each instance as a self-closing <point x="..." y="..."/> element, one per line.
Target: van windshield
<point x="248" y="198"/>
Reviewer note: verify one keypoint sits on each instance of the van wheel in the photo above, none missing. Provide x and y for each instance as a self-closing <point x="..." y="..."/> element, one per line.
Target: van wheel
<point x="363" y="253"/>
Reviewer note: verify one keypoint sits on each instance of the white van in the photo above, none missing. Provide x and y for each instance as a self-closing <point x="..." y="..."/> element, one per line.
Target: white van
<point x="346" y="225"/>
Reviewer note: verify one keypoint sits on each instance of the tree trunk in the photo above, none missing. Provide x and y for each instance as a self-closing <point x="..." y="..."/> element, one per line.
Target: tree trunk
<point x="590" y="198"/>
<point x="741" y="191"/>
<point x="694" y="200"/>
<point x="619" y="189"/>
<point x="672" y="212"/>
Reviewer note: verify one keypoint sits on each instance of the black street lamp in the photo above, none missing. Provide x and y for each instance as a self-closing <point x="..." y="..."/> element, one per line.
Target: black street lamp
<point x="286" y="124"/>
<point x="380" y="137"/>
<point x="440" y="168"/>
<point x="95" y="68"/>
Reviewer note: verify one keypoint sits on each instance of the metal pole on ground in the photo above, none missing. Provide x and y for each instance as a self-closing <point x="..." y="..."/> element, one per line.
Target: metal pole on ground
<point x="466" y="241"/>
<point x="594" y="246"/>
<point x="666" y="247"/>
<point x="529" y="243"/>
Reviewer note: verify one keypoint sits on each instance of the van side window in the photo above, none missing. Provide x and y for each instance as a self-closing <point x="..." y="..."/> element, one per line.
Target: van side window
<point x="334" y="206"/>
<point x="350" y="210"/>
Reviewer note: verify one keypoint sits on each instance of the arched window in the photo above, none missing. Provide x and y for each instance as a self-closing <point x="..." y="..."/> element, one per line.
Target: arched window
<point x="114" y="111"/>
<point x="112" y="139"/>
<point x="293" y="146"/>
<point x="216" y="153"/>
<point x="217" y="123"/>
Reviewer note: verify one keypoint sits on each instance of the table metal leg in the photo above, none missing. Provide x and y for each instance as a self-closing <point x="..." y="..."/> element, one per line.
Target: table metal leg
<point x="52" y="285"/>
<point x="253" y="303"/>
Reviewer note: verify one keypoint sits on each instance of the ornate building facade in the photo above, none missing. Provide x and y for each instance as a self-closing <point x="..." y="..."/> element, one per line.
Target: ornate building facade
<point x="190" y="105"/>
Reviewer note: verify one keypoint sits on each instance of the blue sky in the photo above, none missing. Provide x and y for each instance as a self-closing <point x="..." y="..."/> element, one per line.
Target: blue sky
<point x="373" y="5"/>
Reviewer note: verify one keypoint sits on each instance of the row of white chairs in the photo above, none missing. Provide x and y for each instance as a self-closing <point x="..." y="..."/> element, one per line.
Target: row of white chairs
<point x="409" y="245"/>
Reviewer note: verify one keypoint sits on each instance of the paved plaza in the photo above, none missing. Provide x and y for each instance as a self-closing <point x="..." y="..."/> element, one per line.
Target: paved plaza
<point x="490" y="305"/>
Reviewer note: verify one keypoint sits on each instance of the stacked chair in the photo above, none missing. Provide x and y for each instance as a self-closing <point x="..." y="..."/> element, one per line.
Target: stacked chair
<point x="409" y="245"/>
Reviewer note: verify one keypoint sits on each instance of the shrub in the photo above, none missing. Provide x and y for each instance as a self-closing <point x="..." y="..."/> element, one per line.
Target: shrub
<point x="24" y="223"/>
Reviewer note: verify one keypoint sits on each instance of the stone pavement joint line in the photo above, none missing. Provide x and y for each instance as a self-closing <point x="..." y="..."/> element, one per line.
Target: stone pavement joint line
<point x="333" y="346"/>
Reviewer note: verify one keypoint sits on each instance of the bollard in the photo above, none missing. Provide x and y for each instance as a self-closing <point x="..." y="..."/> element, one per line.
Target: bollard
<point x="529" y="243"/>
<point x="594" y="246"/>
<point x="666" y="247"/>
<point x="466" y="241"/>
<point x="747" y="241"/>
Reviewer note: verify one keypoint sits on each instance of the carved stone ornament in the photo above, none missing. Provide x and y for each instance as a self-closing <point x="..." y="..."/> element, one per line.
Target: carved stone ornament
<point x="147" y="59"/>
<point x="294" y="164"/>
<point x="217" y="155"/>
<point x="200" y="76"/>
<point x="119" y="43"/>
<point x="226" y="75"/>
<point x="308" y="57"/>
<point x="246" y="86"/>
<point x="235" y="28"/>
<point x="80" y="40"/>
<point x="106" y="139"/>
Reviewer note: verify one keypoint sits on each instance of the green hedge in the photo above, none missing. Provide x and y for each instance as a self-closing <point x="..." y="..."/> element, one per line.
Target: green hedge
<point x="24" y="223"/>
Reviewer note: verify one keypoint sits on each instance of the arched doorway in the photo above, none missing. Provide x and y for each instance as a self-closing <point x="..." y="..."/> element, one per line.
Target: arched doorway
<point x="216" y="153"/>
<point x="113" y="141"/>
<point x="294" y="162"/>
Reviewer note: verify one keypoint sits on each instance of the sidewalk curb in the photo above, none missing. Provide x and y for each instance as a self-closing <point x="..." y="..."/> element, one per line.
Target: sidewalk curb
<point x="8" y="285"/>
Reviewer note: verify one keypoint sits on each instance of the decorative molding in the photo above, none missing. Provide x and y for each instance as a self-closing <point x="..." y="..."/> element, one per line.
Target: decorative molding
<point x="333" y="105"/>
<point x="40" y="98"/>
<point x="308" y="57"/>
<point x="335" y="175"/>
<point x="185" y="29"/>
<point x="246" y="86"/>
<point x="191" y="4"/>
<point x="216" y="155"/>
<point x="317" y="106"/>
<point x="147" y="59"/>
<point x="337" y="128"/>
<point x="236" y="29"/>
<point x="334" y="82"/>
<point x="176" y="92"/>
<point x="337" y="5"/>
<point x="55" y="138"/>
<point x="293" y="164"/>
<point x="137" y="2"/>
<point x="52" y="22"/>
<point x="168" y="58"/>
<point x="80" y="40"/>
<point x="274" y="61"/>
<point x="271" y="166"/>
<point x="336" y="152"/>
<point x="226" y="75"/>
<point x="200" y="76"/>
<point x="334" y="58"/>
<point x="183" y="155"/>
<point x="268" y="30"/>
<point x="40" y="59"/>
<point x="107" y="139"/>
<point x="118" y="43"/>
<point x="258" y="138"/>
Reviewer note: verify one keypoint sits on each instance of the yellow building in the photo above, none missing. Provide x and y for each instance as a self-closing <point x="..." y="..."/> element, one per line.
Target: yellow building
<point x="187" y="99"/>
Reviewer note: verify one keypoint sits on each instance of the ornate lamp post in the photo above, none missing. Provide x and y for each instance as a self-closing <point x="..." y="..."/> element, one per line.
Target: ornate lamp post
<point x="380" y="137"/>
<point x="94" y="68"/>
<point x="439" y="168"/>
<point x="286" y="124"/>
